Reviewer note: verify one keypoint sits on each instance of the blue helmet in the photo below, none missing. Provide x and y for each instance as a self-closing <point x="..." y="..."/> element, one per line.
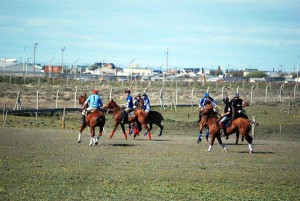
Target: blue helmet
<point x="206" y="94"/>
<point x="236" y="95"/>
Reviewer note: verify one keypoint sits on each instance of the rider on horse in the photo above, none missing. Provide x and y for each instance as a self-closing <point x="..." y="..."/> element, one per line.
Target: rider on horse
<point x="94" y="101"/>
<point x="137" y="101"/>
<point x="146" y="106"/>
<point x="206" y="99"/>
<point x="237" y="106"/>
<point x="226" y="116"/>
<point x="129" y="106"/>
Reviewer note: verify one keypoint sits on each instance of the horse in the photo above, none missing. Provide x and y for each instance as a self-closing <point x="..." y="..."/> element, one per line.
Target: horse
<point x="93" y="119"/>
<point x="139" y="116"/>
<point x="241" y="125"/>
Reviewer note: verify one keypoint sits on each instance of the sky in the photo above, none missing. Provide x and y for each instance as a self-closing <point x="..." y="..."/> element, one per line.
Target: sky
<point x="234" y="34"/>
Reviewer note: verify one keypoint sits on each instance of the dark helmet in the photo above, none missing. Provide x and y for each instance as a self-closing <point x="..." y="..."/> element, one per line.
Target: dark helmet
<point x="144" y="94"/>
<point x="236" y="95"/>
<point x="138" y="95"/>
<point x="95" y="91"/>
<point x="127" y="91"/>
<point x="206" y="94"/>
<point x="225" y="100"/>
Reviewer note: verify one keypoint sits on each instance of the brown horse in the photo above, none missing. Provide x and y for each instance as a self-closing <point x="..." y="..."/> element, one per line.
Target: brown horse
<point x="93" y="119"/>
<point x="241" y="125"/>
<point x="139" y="115"/>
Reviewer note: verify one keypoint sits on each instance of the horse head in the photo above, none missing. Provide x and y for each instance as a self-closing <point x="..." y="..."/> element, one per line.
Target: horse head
<point x="208" y="109"/>
<point x="82" y="99"/>
<point x="111" y="104"/>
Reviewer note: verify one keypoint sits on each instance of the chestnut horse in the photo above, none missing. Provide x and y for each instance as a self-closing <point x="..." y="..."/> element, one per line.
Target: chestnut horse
<point x="241" y="125"/>
<point x="139" y="115"/>
<point x="93" y="119"/>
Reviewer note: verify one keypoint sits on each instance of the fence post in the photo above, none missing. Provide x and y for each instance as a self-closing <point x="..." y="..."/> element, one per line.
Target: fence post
<point x="57" y="93"/>
<point x="253" y="124"/>
<point x="207" y="90"/>
<point x="295" y="87"/>
<point x="237" y="89"/>
<point x="110" y="92"/>
<point x="289" y="107"/>
<point x="18" y="102"/>
<point x="37" y="105"/>
<point x="75" y="98"/>
<point x="266" y="93"/>
<point x="252" y="93"/>
<point x="176" y="98"/>
<point x="223" y="92"/>
<point x="192" y="98"/>
<point x="280" y="93"/>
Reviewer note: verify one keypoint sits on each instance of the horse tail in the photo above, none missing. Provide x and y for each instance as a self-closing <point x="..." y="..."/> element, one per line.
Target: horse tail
<point x="155" y="117"/>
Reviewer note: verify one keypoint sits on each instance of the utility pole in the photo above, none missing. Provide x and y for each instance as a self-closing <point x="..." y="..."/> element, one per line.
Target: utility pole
<point x="34" y="49"/>
<point x="62" y="59"/>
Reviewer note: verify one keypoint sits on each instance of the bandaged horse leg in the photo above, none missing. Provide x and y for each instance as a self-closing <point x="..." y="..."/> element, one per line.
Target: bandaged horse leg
<point x="123" y="129"/>
<point x="207" y="134"/>
<point x="79" y="137"/>
<point x="92" y="141"/>
<point x="199" y="138"/>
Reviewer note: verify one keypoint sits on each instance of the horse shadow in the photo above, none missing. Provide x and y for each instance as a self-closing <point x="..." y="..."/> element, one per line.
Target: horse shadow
<point x="122" y="145"/>
<point x="257" y="152"/>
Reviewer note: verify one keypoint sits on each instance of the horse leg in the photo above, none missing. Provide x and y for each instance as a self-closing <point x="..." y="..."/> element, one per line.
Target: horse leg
<point x="123" y="129"/>
<point x="92" y="141"/>
<point x="237" y="136"/>
<point x="114" y="129"/>
<point x="148" y="130"/>
<point x="160" y="129"/>
<point x="221" y="143"/>
<point x="207" y="134"/>
<point x="80" y="132"/>
<point x="212" y="141"/>
<point x="249" y="139"/>
<point x="99" y="135"/>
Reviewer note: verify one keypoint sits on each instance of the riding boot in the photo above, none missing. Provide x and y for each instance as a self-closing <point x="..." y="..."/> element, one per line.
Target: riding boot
<point x="83" y="119"/>
<point x="123" y="117"/>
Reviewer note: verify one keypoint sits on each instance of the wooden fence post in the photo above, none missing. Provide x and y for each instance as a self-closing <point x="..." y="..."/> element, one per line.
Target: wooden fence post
<point x="18" y="102"/>
<point x="57" y="94"/>
<point x="237" y="89"/>
<point x="176" y="96"/>
<point x="75" y="98"/>
<point x="110" y="92"/>
<point x="295" y="87"/>
<point x="37" y="105"/>
<point x="266" y="93"/>
<point x="223" y="92"/>
<point x="252" y="93"/>
<point x="192" y="97"/>
<point x="63" y="119"/>
<point x="253" y="124"/>
<point x="280" y="99"/>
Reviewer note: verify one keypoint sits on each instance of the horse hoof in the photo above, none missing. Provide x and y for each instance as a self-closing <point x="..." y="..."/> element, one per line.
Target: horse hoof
<point x="251" y="151"/>
<point x="96" y="143"/>
<point x="79" y="141"/>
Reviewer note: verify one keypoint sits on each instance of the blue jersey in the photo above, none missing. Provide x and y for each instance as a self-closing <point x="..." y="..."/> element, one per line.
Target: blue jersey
<point x="146" y="105"/>
<point x="129" y="102"/>
<point x="94" y="101"/>
<point x="203" y="101"/>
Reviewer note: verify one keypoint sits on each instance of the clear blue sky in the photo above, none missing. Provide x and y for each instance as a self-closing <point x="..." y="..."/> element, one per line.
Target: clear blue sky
<point x="259" y="34"/>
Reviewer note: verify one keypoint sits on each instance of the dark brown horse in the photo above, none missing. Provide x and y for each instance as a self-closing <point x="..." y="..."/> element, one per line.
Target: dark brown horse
<point x="241" y="125"/>
<point x="93" y="119"/>
<point x="139" y="115"/>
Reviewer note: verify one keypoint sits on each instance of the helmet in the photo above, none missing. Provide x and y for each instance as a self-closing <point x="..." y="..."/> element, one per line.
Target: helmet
<point x="236" y="95"/>
<point x="144" y="94"/>
<point x="127" y="91"/>
<point x="95" y="91"/>
<point x="225" y="100"/>
<point x="206" y="94"/>
<point x="138" y="95"/>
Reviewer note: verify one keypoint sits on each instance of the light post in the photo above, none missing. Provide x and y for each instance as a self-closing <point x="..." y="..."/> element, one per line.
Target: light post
<point x="24" y="48"/>
<point x="27" y="65"/>
<point x="62" y="59"/>
<point x="102" y="65"/>
<point x="298" y="68"/>
<point x="34" y="50"/>
<point x="75" y="67"/>
<point x="131" y="65"/>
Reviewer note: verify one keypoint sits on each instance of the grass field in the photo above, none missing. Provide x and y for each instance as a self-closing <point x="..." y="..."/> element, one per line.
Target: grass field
<point x="40" y="161"/>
